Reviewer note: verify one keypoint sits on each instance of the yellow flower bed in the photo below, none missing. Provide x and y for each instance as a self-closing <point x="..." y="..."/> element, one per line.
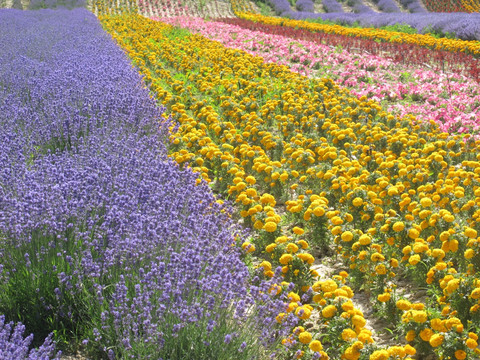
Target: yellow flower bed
<point x="471" y="5"/>
<point x="310" y="167"/>
<point x="424" y="40"/>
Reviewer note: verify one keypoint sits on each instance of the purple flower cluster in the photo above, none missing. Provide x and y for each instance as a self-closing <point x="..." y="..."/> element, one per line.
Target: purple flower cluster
<point x="14" y="346"/>
<point x="332" y="6"/>
<point x="359" y="7"/>
<point x="464" y="26"/>
<point x="54" y="4"/>
<point x="413" y="6"/>
<point x="305" y="5"/>
<point x="281" y="7"/>
<point x="388" y="6"/>
<point x="86" y="186"/>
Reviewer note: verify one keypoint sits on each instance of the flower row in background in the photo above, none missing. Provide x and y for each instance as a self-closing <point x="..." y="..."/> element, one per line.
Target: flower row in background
<point x="426" y="41"/>
<point x="452" y="100"/>
<point x="469" y="6"/>
<point x="311" y="167"/>
<point x="408" y="54"/>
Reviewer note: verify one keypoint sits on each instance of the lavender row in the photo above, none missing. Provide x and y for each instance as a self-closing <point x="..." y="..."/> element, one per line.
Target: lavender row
<point x="461" y="25"/>
<point x="414" y="6"/>
<point x="388" y="6"/>
<point x="102" y="235"/>
<point x="305" y="5"/>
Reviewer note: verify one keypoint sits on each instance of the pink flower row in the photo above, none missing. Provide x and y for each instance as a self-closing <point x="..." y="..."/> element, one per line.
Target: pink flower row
<point x="451" y="100"/>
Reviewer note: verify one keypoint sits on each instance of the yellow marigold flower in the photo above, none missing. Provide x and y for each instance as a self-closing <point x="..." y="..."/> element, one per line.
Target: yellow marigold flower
<point x="379" y="355"/>
<point x="425" y="202"/>
<point x="384" y="297"/>
<point x="452" y="285"/>
<point x="280" y="317"/>
<point x="270" y="226"/>
<point x="436" y="340"/>
<point x="306" y="257"/>
<point x="281" y="239"/>
<point x="329" y="311"/>
<point x="294" y="297"/>
<point x="336" y="220"/>
<point x="266" y="265"/>
<point x="470" y="233"/>
<point x="315" y="345"/>
<point x="410" y="336"/>
<point x="348" y="334"/>
<point x="347" y="236"/>
<point x="319" y="211"/>
<point x="381" y="269"/>
<point x="403" y="304"/>
<point x="303" y="244"/>
<point x="410" y="350"/>
<point x="248" y="247"/>
<point x="377" y="257"/>
<point x="336" y="230"/>
<point x="292" y="248"/>
<point x="269" y="248"/>
<point x="358" y="321"/>
<point x="297" y="330"/>
<point x="292" y="306"/>
<point x="328" y="285"/>
<point x="426" y="334"/>
<point x="469" y="254"/>
<point x="365" y="336"/>
<point x="420" y="316"/>
<point x="365" y="239"/>
<point x="460" y="355"/>
<point x="398" y="226"/>
<point x="471" y="343"/>
<point x="438" y="325"/>
<point x="305" y="314"/>
<point x="414" y="259"/>
<point x="357" y="202"/>
<point x="298" y="231"/>
<point x="396" y="351"/>
<point x="413" y="233"/>
<point x="251" y="192"/>
<point x="258" y="224"/>
<point x="473" y="336"/>
<point x="285" y="259"/>
<point x="250" y="179"/>
<point x="305" y="337"/>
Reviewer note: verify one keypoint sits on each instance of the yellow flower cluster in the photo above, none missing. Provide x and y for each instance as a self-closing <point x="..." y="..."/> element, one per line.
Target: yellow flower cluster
<point x="309" y="165"/>
<point x="471" y="5"/>
<point x="424" y="40"/>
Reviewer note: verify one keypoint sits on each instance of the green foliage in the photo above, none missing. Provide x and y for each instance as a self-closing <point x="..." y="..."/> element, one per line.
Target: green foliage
<point x="41" y="288"/>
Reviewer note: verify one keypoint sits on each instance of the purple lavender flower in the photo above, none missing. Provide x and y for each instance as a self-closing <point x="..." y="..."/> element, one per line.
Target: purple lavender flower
<point x="14" y="346"/>
<point x="141" y="253"/>
<point x="305" y="5"/>
<point x="332" y="6"/>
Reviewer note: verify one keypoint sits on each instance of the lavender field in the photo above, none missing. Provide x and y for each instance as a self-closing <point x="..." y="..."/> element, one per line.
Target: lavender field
<point x="201" y="181"/>
<point x="103" y="238"/>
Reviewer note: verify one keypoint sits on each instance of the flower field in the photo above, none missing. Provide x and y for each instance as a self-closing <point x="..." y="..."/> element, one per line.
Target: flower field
<point x="173" y="187"/>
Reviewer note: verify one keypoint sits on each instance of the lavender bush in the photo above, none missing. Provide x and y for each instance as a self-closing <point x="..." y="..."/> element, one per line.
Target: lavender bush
<point x="464" y="26"/>
<point x="102" y="238"/>
<point x="53" y="4"/>
<point x="413" y="6"/>
<point x="359" y="7"/>
<point x="388" y="6"/>
<point x="332" y="6"/>
<point x="305" y="5"/>
<point x="14" y="346"/>
<point x="281" y="7"/>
